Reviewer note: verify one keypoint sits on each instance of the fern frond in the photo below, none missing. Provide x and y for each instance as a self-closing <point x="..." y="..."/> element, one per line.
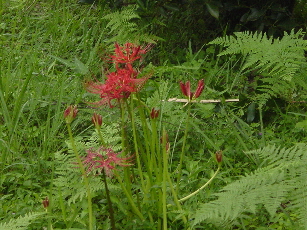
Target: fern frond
<point x="276" y="157"/>
<point x="298" y="201"/>
<point x="269" y="186"/>
<point x="68" y="176"/>
<point x="110" y="135"/>
<point x="22" y="222"/>
<point x="278" y="60"/>
<point x="120" y="19"/>
<point x="242" y="43"/>
<point x="123" y="27"/>
<point x="69" y="179"/>
<point x="279" y="57"/>
<point x="274" y="87"/>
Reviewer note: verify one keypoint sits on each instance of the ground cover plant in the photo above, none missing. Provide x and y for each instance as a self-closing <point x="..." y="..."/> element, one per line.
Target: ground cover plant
<point x="101" y="129"/>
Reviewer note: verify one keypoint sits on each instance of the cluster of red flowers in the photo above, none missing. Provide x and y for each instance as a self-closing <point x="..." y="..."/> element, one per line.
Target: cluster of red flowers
<point x="121" y="83"/>
<point x="104" y="159"/>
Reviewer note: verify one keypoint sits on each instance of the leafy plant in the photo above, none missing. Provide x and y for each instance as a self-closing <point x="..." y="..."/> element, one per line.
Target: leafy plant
<point x="22" y="222"/>
<point x="277" y="60"/>
<point x="280" y="183"/>
<point x="50" y="48"/>
<point x="123" y="27"/>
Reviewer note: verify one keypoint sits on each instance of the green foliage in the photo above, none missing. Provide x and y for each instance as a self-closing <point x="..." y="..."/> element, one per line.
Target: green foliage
<point x="22" y="222"/>
<point x="277" y="60"/>
<point x="68" y="174"/>
<point x="281" y="179"/>
<point x="123" y="27"/>
<point x="278" y="57"/>
<point x="49" y="47"/>
<point x="69" y="180"/>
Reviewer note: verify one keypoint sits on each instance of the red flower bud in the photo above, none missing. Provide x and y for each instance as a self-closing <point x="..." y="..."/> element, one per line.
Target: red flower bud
<point x="219" y="156"/>
<point x="186" y="89"/>
<point x="154" y="113"/>
<point x="97" y="120"/>
<point x="70" y="113"/>
<point x="46" y="203"/>
<point x="200" y="88"/>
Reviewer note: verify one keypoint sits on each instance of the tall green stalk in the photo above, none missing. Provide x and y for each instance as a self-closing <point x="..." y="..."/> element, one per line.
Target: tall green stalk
<point x="129" y="197"/>
<point x="202" y="187"/>
<point x="136" y="147"/>
<point x="164" y="180"/>
<point x="104" y="177"/>
<point x="111" y="211"/>
<point x="85" y="178"/>
<point x="179" y="169"/>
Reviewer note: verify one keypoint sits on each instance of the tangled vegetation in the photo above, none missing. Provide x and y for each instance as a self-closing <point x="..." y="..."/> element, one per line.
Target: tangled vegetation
<point x="109" y="119"/>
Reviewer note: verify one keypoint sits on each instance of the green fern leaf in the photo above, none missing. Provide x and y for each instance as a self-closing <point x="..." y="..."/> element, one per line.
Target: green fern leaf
<point x="22" y="222"/>
<point x="278" y="59"/>
<point x="123" y="27"/>
<point x="281" y="179"/>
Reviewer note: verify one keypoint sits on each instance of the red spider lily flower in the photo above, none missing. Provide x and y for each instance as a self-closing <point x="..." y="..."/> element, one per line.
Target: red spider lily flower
<point x="113" y="158"/>
<point x="154" y="113"/>
<point x="186" y="89"/>
<point x="104" y="159"/>
<point x="121" y="83"/>
<point x="118" y="85"/>
<point x="128" y="53"/>
<point x="97" y="120"/>
<point x="70" y="113"/>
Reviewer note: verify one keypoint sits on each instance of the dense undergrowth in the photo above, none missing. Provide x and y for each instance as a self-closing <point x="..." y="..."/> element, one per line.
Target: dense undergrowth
<point x="51" y="52"/>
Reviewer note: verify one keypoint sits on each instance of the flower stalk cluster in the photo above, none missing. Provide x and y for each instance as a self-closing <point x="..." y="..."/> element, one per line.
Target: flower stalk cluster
<point x="116" y="90"/>
<point x="150" y="146"/>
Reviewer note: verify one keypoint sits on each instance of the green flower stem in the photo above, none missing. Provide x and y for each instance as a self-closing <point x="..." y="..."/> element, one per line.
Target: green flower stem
<point x="175" y="198"/>
<point x="202" y="187"/>
<point x="166" y="177"/>
<point x="183" y="147"/>
<point x="127" y="172"/>
<point x="129" y="197"/>
<point x="165" y="172"/>
<point x="148" y="136"/>
<point x="127" y="187"/>
<point x="141" y="106"/>
<point x="86" y="182"/>
<point x="145" y="188"/>
<point x="155" y="167"/>
<point x="100" y="137"/>
<point x="123" y="131"/>
<point x="111" y="211"/>
<point x="159" y="180"/>
<point x="261" y="126"/>
<point x="135" y="140"/>
<point x="63" y="209"/>
<point x="155" y="147"/>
